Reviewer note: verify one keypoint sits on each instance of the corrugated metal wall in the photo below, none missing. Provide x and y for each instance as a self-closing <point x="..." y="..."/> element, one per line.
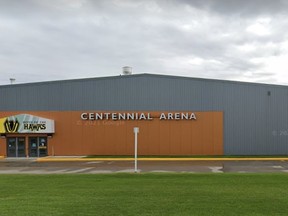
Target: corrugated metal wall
<point x="255" y="123"/>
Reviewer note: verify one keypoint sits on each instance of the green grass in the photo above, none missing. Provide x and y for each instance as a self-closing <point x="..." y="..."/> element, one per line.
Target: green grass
<point x="144" y="194"/>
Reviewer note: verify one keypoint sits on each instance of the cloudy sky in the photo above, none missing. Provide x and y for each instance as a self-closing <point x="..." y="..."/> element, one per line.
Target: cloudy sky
<point x="243" y="40"/>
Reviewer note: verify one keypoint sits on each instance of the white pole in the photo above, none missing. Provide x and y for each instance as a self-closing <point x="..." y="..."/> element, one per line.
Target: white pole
<point x="136" y="131"/>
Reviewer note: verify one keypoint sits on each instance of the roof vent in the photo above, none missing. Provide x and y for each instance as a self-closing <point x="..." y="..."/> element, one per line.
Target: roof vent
<point x="12" y="80"/>
<point x="127" y="70"/>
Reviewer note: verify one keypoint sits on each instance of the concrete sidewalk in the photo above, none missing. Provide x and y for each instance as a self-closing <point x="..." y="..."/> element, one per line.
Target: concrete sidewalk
<point x="75" y="159"/>
<point x="83" y="159"/>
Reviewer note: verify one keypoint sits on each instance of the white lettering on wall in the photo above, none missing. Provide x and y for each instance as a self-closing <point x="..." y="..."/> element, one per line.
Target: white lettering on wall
<point x="136" y="116"/>
<point x="84" y="116"/>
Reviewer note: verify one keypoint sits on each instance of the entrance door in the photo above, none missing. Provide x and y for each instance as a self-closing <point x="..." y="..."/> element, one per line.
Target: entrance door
<point x="42" y="146"/>
<point x="37" y="146"/>
<point x="11" y="147"/>
<point x="20" y="147"/>
<point x="16" y="147"/>
<point x="33" y="146"/>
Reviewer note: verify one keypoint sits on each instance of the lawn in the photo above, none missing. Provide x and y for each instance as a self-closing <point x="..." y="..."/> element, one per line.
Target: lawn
<point x="144" y="194"/>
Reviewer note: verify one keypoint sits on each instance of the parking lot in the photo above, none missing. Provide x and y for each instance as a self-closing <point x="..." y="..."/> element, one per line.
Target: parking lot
<point x="32" y="166"/>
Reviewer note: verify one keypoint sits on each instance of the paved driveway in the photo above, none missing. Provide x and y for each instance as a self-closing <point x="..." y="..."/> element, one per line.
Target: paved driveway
<point x="31" y="166"/>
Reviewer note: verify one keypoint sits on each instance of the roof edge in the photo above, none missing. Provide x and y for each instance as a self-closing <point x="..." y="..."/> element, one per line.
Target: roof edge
<point x="144" y="75"/>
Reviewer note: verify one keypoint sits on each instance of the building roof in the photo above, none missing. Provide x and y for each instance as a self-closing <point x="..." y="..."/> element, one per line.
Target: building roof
<point x="144" y="75"/>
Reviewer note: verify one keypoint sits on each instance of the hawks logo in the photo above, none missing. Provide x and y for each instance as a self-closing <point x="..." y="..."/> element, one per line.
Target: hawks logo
<point x="11" y="126"/>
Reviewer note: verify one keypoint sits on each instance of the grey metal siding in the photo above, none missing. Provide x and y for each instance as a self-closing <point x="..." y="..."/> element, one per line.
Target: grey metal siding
<point x="254" y="122"/>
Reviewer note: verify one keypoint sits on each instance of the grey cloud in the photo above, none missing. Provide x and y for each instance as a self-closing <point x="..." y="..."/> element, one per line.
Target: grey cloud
<point x="68" y="39"/>
<point x="240" y="7"/>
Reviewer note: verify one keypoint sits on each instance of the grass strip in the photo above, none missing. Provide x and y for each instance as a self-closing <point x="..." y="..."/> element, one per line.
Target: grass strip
<point x="144" y="194"/>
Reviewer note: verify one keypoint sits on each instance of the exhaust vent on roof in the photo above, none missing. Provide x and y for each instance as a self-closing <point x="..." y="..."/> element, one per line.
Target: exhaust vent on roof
<point x="127" y="70"/>
<point x="12" y="80"/>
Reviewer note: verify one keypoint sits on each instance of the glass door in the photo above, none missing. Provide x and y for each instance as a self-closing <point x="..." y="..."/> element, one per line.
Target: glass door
<point x="37" y="146"/>
<point x="33" y="146"/>
<point x="11" y="147"/>
<point x="42" y="146"/>
<point x="16" y="147"/>
<point x="21" y="147"/>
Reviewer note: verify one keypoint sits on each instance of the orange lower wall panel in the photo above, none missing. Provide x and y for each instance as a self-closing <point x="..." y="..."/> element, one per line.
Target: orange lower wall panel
<point x="74" y="136"/>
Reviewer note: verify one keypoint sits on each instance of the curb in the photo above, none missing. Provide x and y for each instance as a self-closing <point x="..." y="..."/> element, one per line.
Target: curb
<point x="59" y="159"/>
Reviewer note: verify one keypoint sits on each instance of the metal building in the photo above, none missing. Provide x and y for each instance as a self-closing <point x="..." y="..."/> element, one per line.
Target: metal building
<point x="247" y="118"/>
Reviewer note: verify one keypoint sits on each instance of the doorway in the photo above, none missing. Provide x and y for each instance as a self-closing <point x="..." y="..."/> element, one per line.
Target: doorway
<point x="37" y="146"/>
<point x="16" y="147"/>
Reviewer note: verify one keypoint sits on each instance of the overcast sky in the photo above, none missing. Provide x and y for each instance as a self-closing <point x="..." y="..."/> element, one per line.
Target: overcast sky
<point x="43" y="40"/>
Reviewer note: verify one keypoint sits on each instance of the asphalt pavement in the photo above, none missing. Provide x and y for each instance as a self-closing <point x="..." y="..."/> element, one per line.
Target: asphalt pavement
<point x="33" y="166"/>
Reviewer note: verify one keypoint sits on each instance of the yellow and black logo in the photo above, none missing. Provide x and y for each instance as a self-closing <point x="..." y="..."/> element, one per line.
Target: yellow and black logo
<point x="11" y="126"/>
